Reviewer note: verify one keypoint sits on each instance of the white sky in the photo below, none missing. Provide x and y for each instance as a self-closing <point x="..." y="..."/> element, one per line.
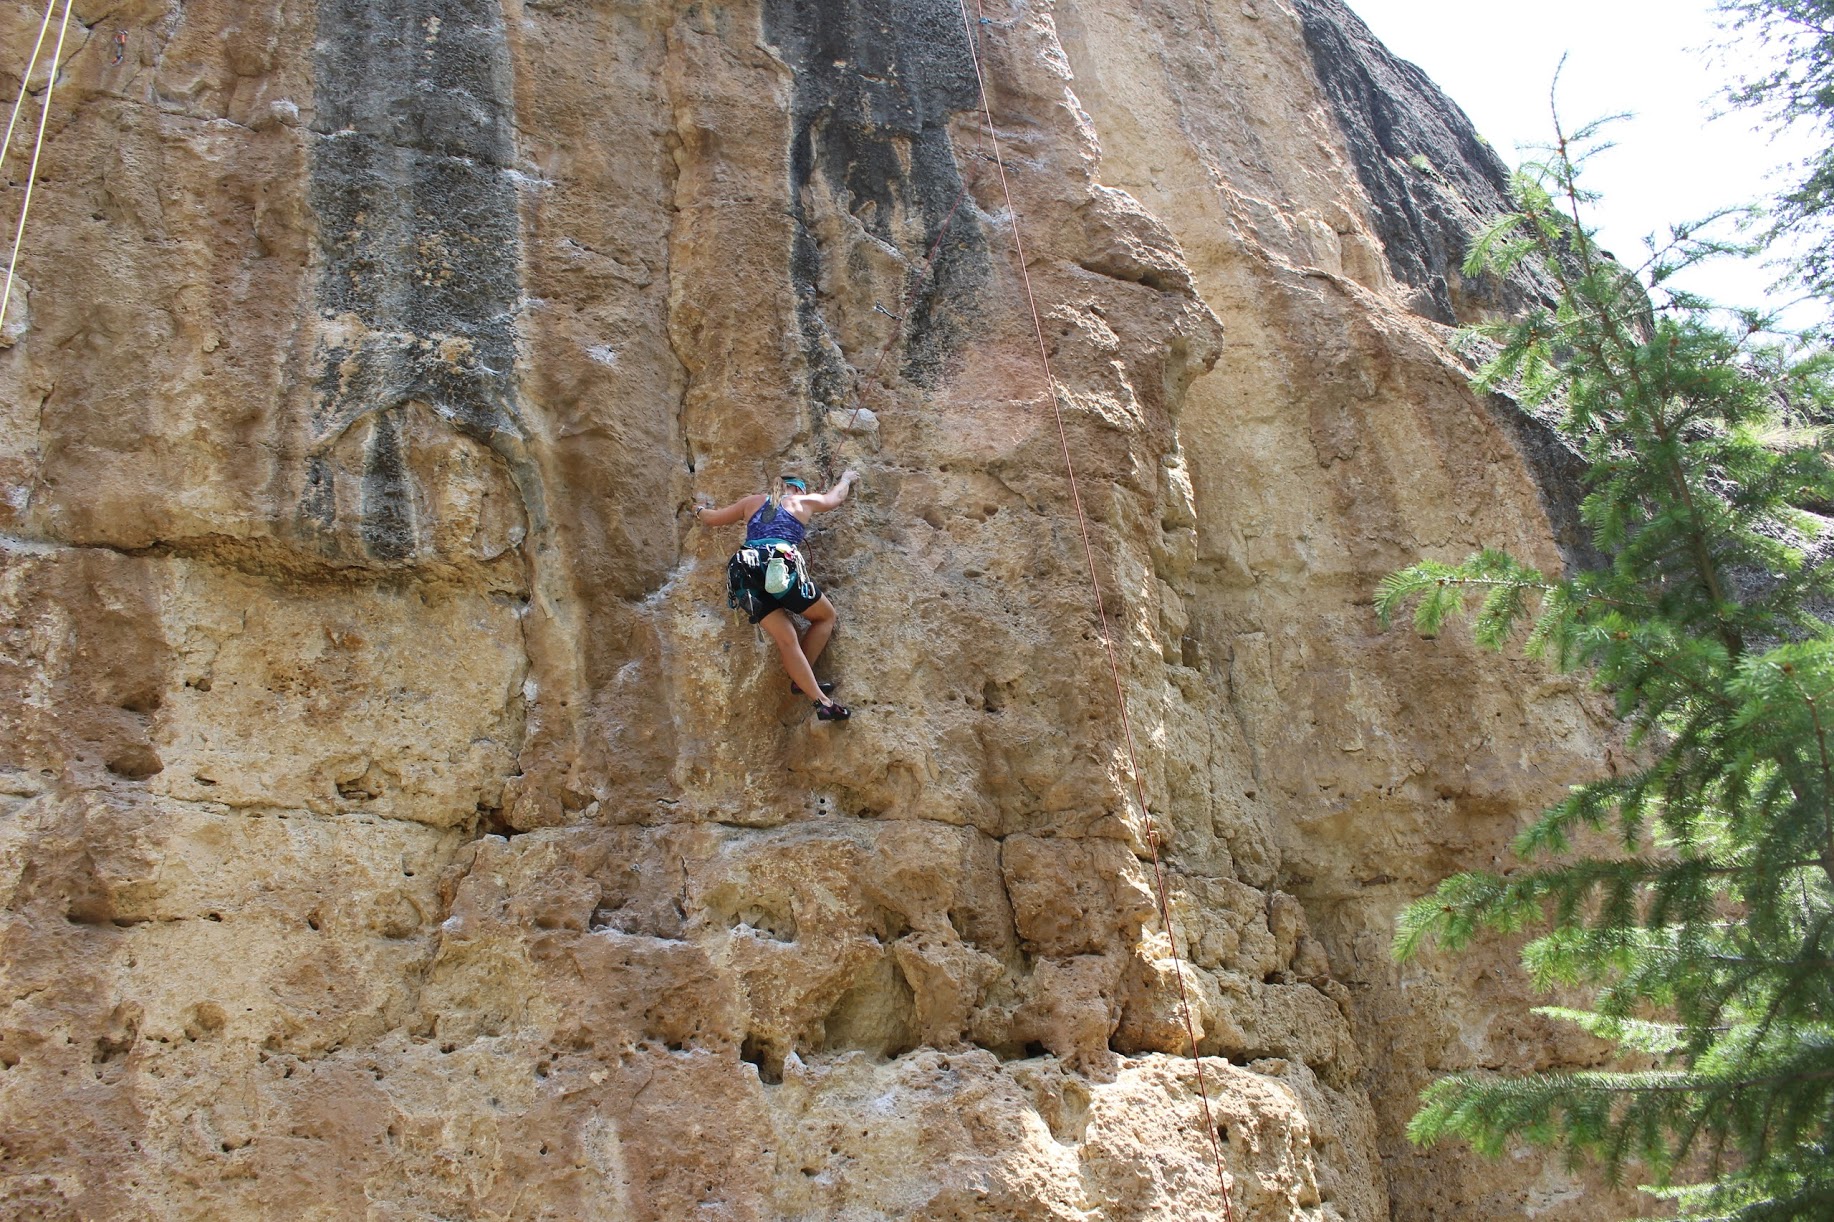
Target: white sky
<point x="1655" y="58"/>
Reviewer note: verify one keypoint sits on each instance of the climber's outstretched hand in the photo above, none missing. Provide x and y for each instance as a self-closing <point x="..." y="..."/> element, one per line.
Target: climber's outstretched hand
<point x="832" y="498"/>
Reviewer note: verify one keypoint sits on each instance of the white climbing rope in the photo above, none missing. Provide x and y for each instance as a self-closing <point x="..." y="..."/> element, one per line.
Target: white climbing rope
<point x="25" y="77"/>
<point x="38" y="144"/>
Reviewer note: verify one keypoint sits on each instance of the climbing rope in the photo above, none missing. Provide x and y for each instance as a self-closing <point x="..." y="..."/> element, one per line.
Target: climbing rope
<point x="25" y="76"/>
<point x="1101" y="608"/>
<point x="31" y="178"/>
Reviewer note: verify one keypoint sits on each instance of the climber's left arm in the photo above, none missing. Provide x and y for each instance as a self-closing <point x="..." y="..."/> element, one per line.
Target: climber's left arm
<point x="726" y="515"/>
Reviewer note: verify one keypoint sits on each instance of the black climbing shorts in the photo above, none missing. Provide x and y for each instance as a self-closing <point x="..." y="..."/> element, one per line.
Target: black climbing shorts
<point x="745" y="591"/>
<point x="798" y="598"/>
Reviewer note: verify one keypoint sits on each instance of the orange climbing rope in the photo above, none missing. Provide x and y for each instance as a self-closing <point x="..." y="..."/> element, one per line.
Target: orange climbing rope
<point x="1101" y="608"/>
<point x="31" y="176"/>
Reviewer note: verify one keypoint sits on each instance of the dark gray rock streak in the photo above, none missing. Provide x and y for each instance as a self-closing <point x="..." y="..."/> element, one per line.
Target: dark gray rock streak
<point x="1432" y="181"/>
<point x="419" y="246"/>
<point x="877" y="82"/>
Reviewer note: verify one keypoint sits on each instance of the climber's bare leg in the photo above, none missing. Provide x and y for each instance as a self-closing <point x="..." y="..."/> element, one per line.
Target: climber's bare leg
<point x="822" y="620"/>
<point x="782" y="631"/>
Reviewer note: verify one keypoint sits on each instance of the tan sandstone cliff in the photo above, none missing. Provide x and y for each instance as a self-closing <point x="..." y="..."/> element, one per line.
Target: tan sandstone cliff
<point x="394" y="823"/>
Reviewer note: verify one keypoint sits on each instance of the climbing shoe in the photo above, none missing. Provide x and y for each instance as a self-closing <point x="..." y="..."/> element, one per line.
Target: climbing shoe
<point x="827" y="689"/>
<point x="832" y="712"/>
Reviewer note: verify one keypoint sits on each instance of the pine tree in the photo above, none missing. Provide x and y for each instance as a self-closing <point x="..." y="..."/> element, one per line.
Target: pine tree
<point x="1702" y="939"/>
<point x="1799" y="89"/>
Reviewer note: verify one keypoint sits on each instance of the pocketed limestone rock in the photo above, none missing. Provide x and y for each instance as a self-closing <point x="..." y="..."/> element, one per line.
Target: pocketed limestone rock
<point x="1168" y="1006"/>
<point x="947" y="980"/>
<point x="1224" y="924"/>
<point x="1075" y="897"/>
<point x="1070" y="1009"/>
<point x="393" y="819"/>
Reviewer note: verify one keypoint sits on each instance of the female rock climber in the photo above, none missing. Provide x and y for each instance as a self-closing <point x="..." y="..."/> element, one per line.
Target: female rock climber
<point x="769" y="578"/>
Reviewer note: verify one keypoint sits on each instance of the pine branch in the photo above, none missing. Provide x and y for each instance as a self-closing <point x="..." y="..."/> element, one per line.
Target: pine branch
<point x="1701" y="938"/>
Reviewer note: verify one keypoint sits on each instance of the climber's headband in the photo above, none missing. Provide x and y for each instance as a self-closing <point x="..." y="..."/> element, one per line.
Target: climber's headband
<point x="796" y="482"/>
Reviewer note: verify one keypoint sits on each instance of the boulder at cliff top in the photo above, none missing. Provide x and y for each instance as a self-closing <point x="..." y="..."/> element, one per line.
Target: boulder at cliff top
<point x="393" y="821"/>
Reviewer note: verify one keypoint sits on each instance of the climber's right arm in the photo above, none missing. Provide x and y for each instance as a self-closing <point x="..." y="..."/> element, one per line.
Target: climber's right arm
<point x="738" y="511"/>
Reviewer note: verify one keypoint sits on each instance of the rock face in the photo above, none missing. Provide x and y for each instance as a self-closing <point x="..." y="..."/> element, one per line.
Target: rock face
<point x="1430" y="179"/>
<point x="395" y="823"/>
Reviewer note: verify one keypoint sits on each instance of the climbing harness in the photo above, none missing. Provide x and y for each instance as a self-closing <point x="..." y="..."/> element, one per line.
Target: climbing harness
<point x="1095" y="585"/>
<point x="743" y="583"/>
<point x="31" y="178"/>
<point x="771" y="567"/>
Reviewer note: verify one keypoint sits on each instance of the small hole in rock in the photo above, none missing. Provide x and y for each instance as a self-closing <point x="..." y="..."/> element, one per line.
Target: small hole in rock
<point x="491" y="822"/>
<point x="770" y="1069"/>
<point x="135" y="763"/>
<point x="993" y="700"/>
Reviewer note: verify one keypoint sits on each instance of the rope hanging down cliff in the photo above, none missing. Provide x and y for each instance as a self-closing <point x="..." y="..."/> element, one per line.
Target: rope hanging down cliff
<point x="1095" y="586"/>
<point x="38" y="144"/>
<point x="25" y="77"/>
